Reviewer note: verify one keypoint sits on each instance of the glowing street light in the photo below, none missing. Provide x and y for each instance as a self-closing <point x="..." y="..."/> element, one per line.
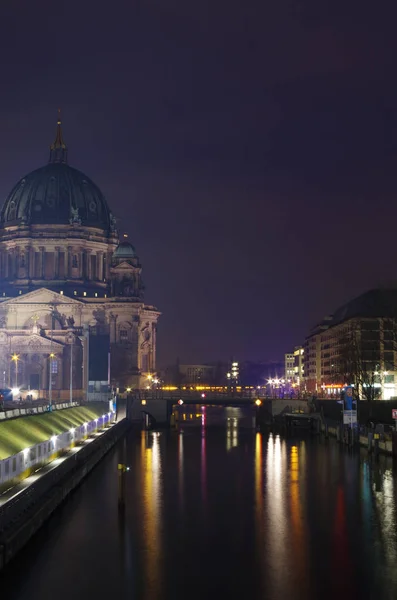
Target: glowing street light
<point x="15" y="358"/>
<point x="51" y="357"/>
<point x="258" y="402"/>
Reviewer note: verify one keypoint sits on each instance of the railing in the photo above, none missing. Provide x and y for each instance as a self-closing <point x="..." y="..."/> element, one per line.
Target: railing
<point x="24" y="410"/>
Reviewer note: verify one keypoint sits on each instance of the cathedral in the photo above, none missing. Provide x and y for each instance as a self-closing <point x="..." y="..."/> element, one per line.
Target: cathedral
<point x="72" y="311"/>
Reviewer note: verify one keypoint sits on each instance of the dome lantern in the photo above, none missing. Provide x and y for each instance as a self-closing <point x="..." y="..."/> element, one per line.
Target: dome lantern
<point x="58" y="149"/>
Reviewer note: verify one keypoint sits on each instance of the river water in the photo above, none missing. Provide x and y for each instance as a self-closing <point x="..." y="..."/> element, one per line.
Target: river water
<point x="217" y="510"/>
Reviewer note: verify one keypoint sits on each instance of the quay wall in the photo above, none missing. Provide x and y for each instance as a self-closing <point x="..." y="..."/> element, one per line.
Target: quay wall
<point x="25" y="513"/>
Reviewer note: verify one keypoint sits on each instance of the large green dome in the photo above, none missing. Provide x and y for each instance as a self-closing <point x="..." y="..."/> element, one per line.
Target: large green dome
<point x="56" y="194"/>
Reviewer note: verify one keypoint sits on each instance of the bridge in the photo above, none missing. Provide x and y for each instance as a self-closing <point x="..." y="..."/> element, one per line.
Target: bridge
<point x="159" y="404"/>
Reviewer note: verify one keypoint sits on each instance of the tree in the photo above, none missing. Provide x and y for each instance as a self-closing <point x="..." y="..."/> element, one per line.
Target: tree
<point x="365" y="353"/>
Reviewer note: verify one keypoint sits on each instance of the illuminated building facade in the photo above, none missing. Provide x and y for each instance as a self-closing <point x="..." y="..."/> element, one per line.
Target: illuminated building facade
<point x="289" y="362"/>
<point x="70" y="287"/>
<point x="356" y="345"/>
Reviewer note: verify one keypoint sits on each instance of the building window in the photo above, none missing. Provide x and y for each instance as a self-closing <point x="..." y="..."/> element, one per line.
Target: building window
<point x="74" y="293"/>
<point x="61" y="292"/>
<point x="54" y="366"/>
<point x="96" y="294"/>
<point x="123" y="335"/>
<point x="74" y="261"/>
<point x="84" y="293"/>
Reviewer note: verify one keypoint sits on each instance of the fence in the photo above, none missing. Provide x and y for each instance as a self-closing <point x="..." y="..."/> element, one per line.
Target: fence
<point x="33" y="410"/>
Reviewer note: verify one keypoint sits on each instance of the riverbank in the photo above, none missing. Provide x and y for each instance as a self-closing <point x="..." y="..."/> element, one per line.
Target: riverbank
<point x="25" y="513"/>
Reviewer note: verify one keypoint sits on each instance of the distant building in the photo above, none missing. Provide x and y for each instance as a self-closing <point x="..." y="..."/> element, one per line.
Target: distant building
<point x="355" y="346"/>
<point x="289" y="364"/>
<point x="299" y="369"/>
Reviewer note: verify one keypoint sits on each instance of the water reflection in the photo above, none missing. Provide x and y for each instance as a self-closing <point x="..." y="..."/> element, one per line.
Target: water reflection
<point x="152" y="504"/>
<point x="231" y="433"/>
<point x="180" y="472"/>
<point x="267" y="518"/>
<point x="277" y="521"/>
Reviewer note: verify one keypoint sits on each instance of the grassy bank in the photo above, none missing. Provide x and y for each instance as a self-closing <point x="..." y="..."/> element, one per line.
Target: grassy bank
<point x="23" y="432"/>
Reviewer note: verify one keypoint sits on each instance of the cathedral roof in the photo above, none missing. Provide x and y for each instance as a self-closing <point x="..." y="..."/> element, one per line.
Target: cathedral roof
<point x="124" y="250"/>
<point x="56" y="194"/>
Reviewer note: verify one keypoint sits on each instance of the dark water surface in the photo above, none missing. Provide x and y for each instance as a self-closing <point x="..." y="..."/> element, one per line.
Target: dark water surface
<point x="220" y="512"/>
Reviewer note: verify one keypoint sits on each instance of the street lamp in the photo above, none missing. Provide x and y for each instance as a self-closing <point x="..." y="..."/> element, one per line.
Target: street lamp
<point x="15" y="358"/>
<point x="51" y="357"/>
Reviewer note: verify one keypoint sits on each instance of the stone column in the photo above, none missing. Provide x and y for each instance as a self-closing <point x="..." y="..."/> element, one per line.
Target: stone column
<point x="56" y="262"/>
<point x="112" y="323"/>
<point x="81" y="266"/>
<point x="5" y="258"/>
<point x="66" y="262"/>
<point x="69" y="254"/>
<point x="108" y="264"/>
<point x="42" y="262"/>
<point x="88" y="264"/>
<point x="31" y="272"/>
<point x="100" y="266"/>
<point x="154" y="333"/>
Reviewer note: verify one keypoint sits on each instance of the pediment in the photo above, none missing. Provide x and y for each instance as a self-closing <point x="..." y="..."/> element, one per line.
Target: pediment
<point x="124" y="266"/>
<point x="35" y="343"/>
<point x="42" y="296"/>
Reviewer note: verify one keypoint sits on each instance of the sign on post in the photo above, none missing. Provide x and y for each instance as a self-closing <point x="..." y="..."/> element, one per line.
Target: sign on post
<point x="349" y="412"/>
<point x="394" y="415"/>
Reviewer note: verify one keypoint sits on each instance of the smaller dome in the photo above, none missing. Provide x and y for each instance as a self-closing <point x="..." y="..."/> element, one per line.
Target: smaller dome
<point x="124" y="250"/>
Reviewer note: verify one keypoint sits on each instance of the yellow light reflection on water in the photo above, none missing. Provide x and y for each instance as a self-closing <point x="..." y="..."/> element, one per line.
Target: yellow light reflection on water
<point x="298" y="533"/>
<point x="277" y="555"/>
<point x="151" y="488"/>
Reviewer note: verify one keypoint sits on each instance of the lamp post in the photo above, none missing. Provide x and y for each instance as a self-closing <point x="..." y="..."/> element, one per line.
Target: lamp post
<point x="52" y="356"/>
<point x="71" y="371"/>
<point x="15" y="358"/>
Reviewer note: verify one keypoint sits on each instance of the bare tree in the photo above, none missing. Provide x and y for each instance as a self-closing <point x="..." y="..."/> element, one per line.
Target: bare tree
<point x="359" y="361"/>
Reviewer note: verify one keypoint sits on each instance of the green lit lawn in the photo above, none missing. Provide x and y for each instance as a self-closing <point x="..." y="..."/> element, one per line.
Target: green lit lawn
<point x="23" y="432"/>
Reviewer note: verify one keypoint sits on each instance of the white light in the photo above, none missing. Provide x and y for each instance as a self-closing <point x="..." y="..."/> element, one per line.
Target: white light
<point x="26" y="452"/>
<point x="15" y="391"/>
<point x="235" y="364"/>
<point x="86" y="425"/>
<point x="180" y="402"/>
<point x="72" y="431"/>
<point x="54" y="440"/>
<point x="155" y="380"/>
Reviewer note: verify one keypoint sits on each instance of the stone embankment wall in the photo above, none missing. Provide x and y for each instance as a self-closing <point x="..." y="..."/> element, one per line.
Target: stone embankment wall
<point x="24" y="514"/>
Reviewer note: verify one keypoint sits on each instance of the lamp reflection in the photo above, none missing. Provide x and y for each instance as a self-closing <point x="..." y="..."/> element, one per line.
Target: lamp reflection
<point x="180" y="471"/>
<point x="297" y="520"/>
<point x="278" y="525"/>
<point x="231" y="434"/>
<point x="203" y="470"/>
<point x="151" y="492"/>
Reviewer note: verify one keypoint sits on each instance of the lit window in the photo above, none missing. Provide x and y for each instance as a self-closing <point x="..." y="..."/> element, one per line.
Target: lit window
<point x="106" y="295"/>
<point x="54" y="366"/>
<point x="84" y="293"/>
<point x="61" y="292"/>
<point x="20" y="292"/>
<point x="96" y="294"/>
<point x="75" y="293"/>
<point x="123" y="334"/>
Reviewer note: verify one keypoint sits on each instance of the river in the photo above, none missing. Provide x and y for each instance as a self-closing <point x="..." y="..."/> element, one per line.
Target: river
<point x="217" y="510"/>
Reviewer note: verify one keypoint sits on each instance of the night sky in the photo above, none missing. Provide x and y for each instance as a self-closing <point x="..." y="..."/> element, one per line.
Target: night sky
<point x="249" y="149"/>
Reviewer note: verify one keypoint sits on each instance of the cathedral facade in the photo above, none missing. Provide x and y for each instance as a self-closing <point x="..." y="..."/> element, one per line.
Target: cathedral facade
<point x="72" y="311"/>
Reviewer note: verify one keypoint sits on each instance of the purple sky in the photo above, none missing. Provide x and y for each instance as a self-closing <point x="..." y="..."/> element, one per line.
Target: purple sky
<point x="249" y="149"/>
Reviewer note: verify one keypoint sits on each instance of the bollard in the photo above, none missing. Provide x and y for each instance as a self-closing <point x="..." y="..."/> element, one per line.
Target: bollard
<point x="376" y="444"/>
<point x="122" y="469"/>
<point x="370" y="437"/>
